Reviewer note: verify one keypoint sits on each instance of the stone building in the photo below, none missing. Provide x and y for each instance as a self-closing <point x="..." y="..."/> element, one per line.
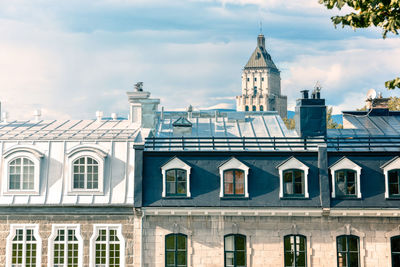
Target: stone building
<point x="239" y="189"/>
<point x="261" y="83"/>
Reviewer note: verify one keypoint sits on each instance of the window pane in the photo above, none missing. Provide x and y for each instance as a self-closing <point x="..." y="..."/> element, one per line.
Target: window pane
<point x="353" y="259"/>
<point x="239" y="176"/>
<point x="395" y="244"/>
<point x="181" y="174"/>
<point x="171" y="175"/>
<point x="342" y="245"/>
<point x="287" y="177"/>
<point x="353" y="243"/>
<point x="302" y="243"/>
<point x="171" y="188"/>
<point x="228" y="176"/>
<point x="340" y="183"/>
<point x="181" y="242"/>
<point x="181" y="258"/>
<point x="228" y="187"/>
<point x="393" y="176"/>
<point x="287" y="244"/>
<point x="229" y="243"/>
<point x="342" y="261"/>
<point x="229" y="259"/>
<point x="289" y="259"/>
<point x="239" y="189"/>
<point x="396" y="260"/>
<point x="301" y="259"/>
<point x="240" y="243"/>
<point x="240" y="258"/>
<point x="393" y="189"/>
<point x="181" y="188"/>
<point x="298" y="176"/>
<point x="351" y="176"/>
<point x="170" y="258"/>
<point x="170" y="242"/>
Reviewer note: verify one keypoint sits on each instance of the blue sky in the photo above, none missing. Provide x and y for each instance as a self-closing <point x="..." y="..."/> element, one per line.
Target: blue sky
<point x="71" y="58"/>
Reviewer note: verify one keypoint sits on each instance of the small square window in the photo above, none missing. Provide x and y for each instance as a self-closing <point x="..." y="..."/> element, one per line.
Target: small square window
<point x="248" y="79"/>
<point x="262" y="79"/>
<point x="255" y="79"/>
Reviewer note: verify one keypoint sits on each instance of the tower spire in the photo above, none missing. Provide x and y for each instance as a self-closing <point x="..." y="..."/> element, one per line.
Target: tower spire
<point x="260" y="27"/>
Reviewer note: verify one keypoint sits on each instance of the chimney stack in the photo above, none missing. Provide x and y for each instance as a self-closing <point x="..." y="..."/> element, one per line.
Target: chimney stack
<point x="37" y="114"/>
<point x="310" y="115"/>
<point x="143" y="109"/>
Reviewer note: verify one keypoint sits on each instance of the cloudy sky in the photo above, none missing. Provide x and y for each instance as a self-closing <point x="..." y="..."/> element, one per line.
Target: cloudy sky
<point x="71" y="58"/>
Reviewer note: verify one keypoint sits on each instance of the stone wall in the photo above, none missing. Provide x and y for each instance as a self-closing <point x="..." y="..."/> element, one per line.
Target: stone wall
<point x="265" y="238"/>
<point x="86" y="223"/>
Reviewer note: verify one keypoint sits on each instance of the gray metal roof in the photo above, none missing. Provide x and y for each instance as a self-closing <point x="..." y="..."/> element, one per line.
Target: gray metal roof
<point x="260" y="59"/>
<point x="68" y="130"/>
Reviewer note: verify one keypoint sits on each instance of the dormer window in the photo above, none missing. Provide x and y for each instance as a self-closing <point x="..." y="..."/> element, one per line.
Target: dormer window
<point x="22" y="174"/>
<point x="86" y="170"/>
<point x="345" y="179"/>
<point x="293" y="183"/>
<point x="293" y="179"/>
<point x="22" y="169"/>
<point x="391" y="170"/>
<point x="176" y="178"/>
<point x="234" y="179"/>
<point x="234" y="182"/>
<point x="85" y="173"/>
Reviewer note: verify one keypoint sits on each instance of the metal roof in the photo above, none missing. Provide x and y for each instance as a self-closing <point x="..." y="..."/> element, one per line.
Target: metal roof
<point x="68" y="130"/>
<point x="260" y="59"/>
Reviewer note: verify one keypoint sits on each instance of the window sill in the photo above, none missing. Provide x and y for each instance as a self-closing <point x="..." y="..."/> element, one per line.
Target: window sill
<point x="21" y="193"/>
<point x="85" y="193"/>
<point x="294" y="198"/>
<point x="347" y="198"/>
<point x="234" y="198"/>
<point x="176" y="197"/>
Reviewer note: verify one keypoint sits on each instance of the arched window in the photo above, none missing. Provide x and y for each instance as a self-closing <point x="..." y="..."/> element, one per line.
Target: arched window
<point x="176" y="182"/>
<point x="21" y="174"/>
<point x="345" y="183"/>
<point x="254" y="108"/>
<point x="348" y="251"/>
<point x="293" y="183"/>
<point x="295" y="249"/>
<point x="394" y="182"/>
<point x="234" y="182"/>
<point x="85" y="173"/>
<point x="395" y="248"/>
<point x="246" y="108"/>
<point x="176" y="250"/>
<point x="235" y="250"/>
<point x="261" y="108"/>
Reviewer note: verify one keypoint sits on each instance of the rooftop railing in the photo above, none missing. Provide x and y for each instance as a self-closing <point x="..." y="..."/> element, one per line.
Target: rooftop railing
<point x="273" y="143"/>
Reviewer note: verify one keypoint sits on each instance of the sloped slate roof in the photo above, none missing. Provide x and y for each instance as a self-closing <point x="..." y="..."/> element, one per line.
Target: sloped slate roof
<point x="260" y="59"/>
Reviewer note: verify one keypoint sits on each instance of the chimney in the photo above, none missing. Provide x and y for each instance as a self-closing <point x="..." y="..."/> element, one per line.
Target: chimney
<point x="37" y="114"/>
<point x="5" y="116"/>
<point x="143" y="109"/>
<point x="114" y="116"/>
<point x="99" y="115"/>
<point x="310" y="115"/>
<point x="378" y="106"/>
<point x="0" y="111"/>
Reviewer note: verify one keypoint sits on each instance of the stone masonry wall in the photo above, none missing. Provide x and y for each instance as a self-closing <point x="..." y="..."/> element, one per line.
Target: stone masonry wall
<point x="264" y="236"/>
<point x="86" y="223"/>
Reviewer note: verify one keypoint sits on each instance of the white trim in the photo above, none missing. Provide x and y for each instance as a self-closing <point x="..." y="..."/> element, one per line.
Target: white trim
<point x="107" y="227"/>
<point x="349" y="230"/>
<point x="293" y="163"/>
<point x="395" y="164"/>
<point x="21" y="152"/>
<point x="24" y="227"/>
<point x="345" y="163"/>
<point x="55" y="228"/>
<point x="234" y="163"/>
<point x="175" y="163"/>
<point x="86" y="151"/>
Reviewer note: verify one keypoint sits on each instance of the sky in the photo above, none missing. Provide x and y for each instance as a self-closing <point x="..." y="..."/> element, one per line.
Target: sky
<point x="72" y="58"/>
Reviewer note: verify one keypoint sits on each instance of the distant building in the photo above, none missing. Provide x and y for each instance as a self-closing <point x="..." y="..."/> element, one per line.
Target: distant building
<point x="261" y="83"/>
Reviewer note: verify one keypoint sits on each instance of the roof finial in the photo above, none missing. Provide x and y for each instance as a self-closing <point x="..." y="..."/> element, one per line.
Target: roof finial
<point x="260" y="27"/>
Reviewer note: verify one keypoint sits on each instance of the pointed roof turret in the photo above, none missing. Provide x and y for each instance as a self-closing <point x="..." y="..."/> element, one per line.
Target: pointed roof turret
<point x="260" y="57"/>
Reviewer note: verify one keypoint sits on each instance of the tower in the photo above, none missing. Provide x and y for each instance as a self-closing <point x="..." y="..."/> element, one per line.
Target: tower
<point x="261" y="83"/>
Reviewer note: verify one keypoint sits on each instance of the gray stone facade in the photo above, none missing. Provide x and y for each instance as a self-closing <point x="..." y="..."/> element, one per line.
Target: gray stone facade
<point x="264" y="236"/>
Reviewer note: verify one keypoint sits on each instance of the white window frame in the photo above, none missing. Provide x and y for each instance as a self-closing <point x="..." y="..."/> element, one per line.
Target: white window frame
<point x="392" y="164"/>
<point x="52" y="237"/>
<point x="21" y="152"/>
<point x="293" y="163"/>
<point x="10" y="237"/>
<point x="346" y="164"/>
<point x="107" y="227"/>
<point x="175" y="163"/>
<point x="234" y="163"/>
<point x="94" y="152"/>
